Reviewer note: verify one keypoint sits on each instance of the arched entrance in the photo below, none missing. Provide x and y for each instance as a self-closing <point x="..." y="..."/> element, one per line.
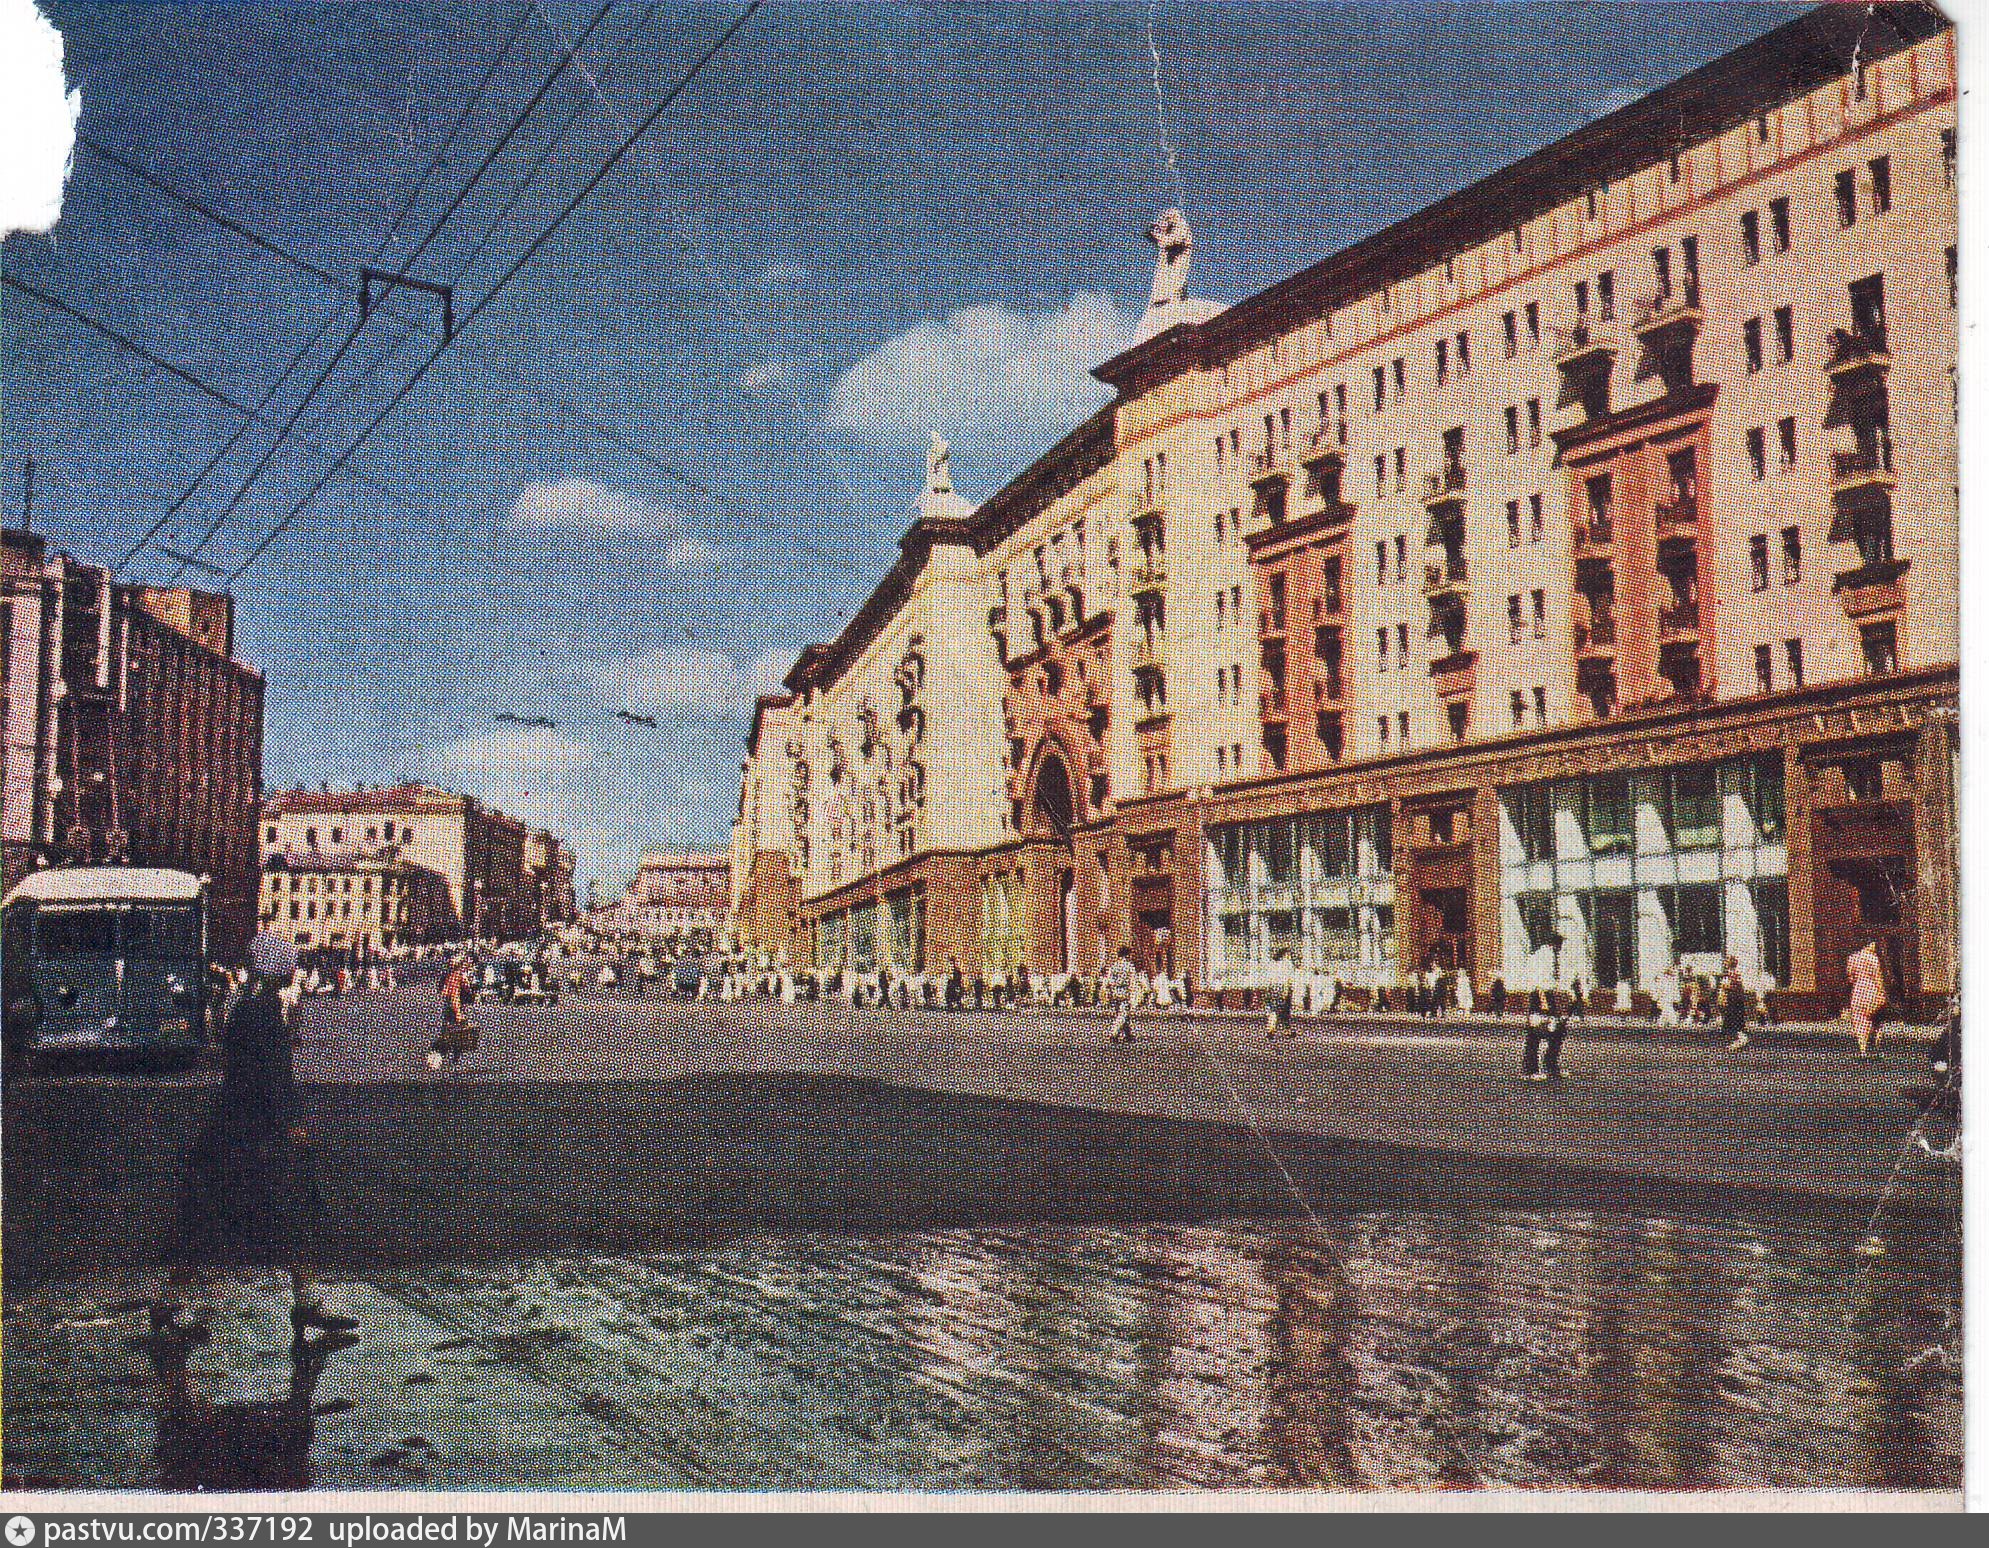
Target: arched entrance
<point x="1054" y="804"/>
<point x="1053" y="813"/>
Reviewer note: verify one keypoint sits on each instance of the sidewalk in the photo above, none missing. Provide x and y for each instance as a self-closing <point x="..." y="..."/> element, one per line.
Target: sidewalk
<point x="1821" y="1035"/>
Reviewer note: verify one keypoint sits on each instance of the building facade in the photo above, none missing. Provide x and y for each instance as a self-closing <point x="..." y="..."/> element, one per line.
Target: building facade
<point x="763" y="889"/>
<point x="131" y="731"/>
<point x="478" y="852"/>
<point x="549" y="872"/>
<point x="1560" y="583"/>
<point x="362" y="901"/>
<point x="676" y="901"/>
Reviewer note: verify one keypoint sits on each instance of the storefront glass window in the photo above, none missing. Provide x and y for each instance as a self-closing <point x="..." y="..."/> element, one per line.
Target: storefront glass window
<point x="1694" y="807"/>
<point x="863" y="938"/>
<point x="1318" y="887"/>
<point x="1607" y="814"/>
<point x="1647" y="881"/>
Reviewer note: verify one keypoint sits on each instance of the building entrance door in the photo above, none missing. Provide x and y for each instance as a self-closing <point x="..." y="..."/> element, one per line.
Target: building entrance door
<point x="1612" y="923"/>
<point x="1446" y="927"/>
<point x="1866" y="900"/>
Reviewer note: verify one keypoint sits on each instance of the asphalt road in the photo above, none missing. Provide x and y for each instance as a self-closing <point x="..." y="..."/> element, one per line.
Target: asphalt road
<point x="615" y="1122"/>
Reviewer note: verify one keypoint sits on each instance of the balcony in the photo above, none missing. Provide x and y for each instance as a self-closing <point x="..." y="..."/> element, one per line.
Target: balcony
<point x="1271" y="465"/>
<point x="1660" y="314"/>
<point x="1271" y="704"/>
<point x="1329" y="689"/>
<point x="1678" y="517"/>
<point x="1680" y="621"/>
<point x="1857" y="352"/>
<point x="1872" y="589"/>
<point x="1455" y="676"/>
<point x="1444" y="489"/>
<point x="1271" y="622"/>
<point x="1447" y="580"/>
<point x="1868" y="470"/>
<point x="1147" y="650"/>
<point x="1594" y="535"/>
<point x="1584" y="348"/>
<point x="1596" y="639"/>
<point x="1146" y="576"/>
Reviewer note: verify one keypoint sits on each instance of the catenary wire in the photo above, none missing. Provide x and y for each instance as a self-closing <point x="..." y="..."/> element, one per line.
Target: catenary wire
<point x="131" y="345"/>
<point x="386" y="240"/>
<point x="435" y="229"/>
<point x="504" y="280"/>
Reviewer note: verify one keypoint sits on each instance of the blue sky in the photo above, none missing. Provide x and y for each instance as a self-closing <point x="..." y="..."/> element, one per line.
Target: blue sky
<point x="862" y="223"/>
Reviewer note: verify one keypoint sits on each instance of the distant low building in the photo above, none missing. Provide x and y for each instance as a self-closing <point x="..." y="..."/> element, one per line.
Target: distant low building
<point x="677" y="901"/>
<point x="479" y="852"/>
<point x="549" y="875"/>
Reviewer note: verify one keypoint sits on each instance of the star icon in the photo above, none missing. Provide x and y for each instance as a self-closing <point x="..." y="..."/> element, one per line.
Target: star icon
<point x="20" y="1531"/>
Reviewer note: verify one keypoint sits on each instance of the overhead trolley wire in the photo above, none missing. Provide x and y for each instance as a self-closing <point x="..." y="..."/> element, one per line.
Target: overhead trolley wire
<point x="537" y="391"/>
<point x="151" y="357"/>
<point x="406" y="207"/>
<point x="531" y="251"/>
<point x="352" y="334"/>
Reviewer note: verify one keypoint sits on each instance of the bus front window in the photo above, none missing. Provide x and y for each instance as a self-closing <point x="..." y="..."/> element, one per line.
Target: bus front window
<point x="76" y="932"/>
<point x="165" y="933"/>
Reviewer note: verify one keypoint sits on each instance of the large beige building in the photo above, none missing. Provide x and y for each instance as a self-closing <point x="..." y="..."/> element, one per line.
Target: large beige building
<point x="361" y="901"/>
<point x="1562" y="580"/>
<point x="479" y="853"/>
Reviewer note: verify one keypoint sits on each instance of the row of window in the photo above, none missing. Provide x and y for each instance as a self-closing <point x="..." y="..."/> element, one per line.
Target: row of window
<point x="310" y="883"/>
<point x="1595" y="297"/>
<point x="1684" y="802"/>
<point x="404" y="834"/>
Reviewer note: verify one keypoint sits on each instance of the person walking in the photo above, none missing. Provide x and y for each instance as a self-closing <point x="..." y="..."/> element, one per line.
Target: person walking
<point x="458" y="1035"/>
<point x="1278" y="992"/>
<point x="1664" y="997"/>
<point x="1733" y="1006"/>
<point x="1546" y="1027"/>
<point x="249" y="1190"/>
<point x="1120" y="979"/>
<point x="1867" y="975"/>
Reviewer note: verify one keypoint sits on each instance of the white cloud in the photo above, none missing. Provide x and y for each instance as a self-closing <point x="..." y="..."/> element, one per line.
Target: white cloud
<point x="37" y="119"/>
<point x="986" y="375"/>
<point x="766" y="376"/>
<point x="512" y="751"/>
<point x="1603" y="103"/>
<point x="785" y="276"/>
<point x="689" y="553"/>
<point x="698" y="682"/>
<point x="588" y="505"/>
<point x="767" y="669"/>
<point x="703" y="684"/>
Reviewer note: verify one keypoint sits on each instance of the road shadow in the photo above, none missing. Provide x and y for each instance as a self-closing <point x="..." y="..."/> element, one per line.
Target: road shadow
<point x="480" y="1171"/>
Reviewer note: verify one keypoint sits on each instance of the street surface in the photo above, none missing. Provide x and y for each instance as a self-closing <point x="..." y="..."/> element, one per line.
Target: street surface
<point x="644" y="1243"/>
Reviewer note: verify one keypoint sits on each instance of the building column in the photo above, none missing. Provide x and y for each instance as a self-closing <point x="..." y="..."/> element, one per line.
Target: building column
<point x="1406" y="901"/>
<point x="1487" y="959"/>
<point x="952" y="915"/>
<point x="1934" y="839"/>
<point x="1802" y="876"/>
<point x="1191" y="897"/>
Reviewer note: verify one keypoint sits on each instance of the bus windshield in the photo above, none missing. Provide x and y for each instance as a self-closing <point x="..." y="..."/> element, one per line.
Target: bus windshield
<point x="76" y="932"/>
<point x="164" y="930"/>
<point x="147" y="930"/>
